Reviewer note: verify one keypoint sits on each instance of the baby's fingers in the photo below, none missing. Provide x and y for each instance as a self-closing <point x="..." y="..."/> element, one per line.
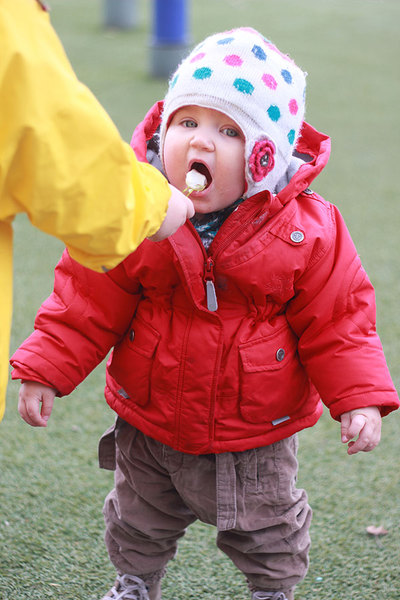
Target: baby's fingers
<point x="366" y="424"/>
<point x="367" y="441"/>
<point x="35" y="406"/>
<point x="29" y="409"/>
<point x="352" y="425"/>
<point x="47" y="405"/>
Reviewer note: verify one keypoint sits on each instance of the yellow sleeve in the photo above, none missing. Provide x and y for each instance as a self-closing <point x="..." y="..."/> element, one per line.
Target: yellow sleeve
<point x="62" y="160"/>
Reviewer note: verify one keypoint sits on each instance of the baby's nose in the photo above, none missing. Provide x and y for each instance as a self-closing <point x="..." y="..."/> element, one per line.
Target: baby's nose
<point x="202" y="140"/>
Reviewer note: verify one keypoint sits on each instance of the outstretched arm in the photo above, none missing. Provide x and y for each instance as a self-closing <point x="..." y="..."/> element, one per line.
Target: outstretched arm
<point x="81" y="182"/>
<point x="364" y="423"/>
<point x="36" y="403"/>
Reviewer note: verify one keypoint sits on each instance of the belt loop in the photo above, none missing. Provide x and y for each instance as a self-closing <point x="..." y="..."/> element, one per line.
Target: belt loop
<point x="226" y="491"/>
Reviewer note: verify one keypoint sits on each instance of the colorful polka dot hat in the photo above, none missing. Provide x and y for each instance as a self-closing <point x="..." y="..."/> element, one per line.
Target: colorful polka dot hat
<point x="243" y="75"/>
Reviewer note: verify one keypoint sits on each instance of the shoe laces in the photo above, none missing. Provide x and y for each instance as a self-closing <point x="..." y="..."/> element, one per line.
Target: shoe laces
<point x="129" y="587"/>
<point x="269" y="596"/>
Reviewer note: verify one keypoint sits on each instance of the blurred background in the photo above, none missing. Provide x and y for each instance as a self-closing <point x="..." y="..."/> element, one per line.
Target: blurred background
<point x="51" y="492"/>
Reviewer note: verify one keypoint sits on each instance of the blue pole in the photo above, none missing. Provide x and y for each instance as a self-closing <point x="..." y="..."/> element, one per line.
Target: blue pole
<point x="170" y="21"/>
<point x="170" y="39"/>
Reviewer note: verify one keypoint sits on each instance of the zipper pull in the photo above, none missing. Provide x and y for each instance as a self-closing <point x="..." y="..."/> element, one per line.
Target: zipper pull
<point x="212" y="302"/>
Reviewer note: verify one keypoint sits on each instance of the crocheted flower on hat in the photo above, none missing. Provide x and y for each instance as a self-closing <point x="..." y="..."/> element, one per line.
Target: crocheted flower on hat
<point x="261" y="161"/>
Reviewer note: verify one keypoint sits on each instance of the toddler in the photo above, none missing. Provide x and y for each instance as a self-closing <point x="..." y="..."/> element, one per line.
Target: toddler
<point x="225" y="336"/>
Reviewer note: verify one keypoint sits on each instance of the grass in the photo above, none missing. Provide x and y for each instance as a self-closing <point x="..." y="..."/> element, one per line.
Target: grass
<point x="51" y="492"/>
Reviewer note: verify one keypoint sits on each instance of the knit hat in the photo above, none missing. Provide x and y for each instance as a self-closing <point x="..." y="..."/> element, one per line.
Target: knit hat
<point x="243" y="75"/>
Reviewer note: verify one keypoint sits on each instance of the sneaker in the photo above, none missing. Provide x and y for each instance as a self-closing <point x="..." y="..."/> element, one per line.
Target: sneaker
<point x="273" y="595"/>
<point x="128" y="587"/>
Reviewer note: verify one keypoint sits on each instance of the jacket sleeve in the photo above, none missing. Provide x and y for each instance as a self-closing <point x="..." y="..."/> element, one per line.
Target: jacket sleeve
<point x="78" y="324"/>
<point x="333" y="315"/>
<point x="62" y="160"/>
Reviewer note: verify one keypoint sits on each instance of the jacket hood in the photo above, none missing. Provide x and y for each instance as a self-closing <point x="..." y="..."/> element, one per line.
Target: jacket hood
<point x="309" y="158"/>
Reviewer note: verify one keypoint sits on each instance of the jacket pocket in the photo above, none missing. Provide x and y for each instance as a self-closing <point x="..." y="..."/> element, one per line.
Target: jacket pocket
<point x="132" y="362"/>
<point x="273" y="382"/>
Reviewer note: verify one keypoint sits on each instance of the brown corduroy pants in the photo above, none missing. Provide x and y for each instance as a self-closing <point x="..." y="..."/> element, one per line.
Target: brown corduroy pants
<point x="262" y="519"/>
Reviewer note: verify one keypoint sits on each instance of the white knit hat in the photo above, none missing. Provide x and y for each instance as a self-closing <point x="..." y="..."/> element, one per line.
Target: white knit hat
<point x="243" y="75"/>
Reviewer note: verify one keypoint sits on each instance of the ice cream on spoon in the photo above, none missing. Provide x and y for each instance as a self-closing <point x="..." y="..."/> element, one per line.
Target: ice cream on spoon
<point x="195" y="181"/>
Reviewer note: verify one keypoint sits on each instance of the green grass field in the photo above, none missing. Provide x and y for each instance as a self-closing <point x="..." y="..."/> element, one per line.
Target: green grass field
<point x="51" y="491"/>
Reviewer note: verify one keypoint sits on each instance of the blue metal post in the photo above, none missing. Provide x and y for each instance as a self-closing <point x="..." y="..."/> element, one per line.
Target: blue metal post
<point x="170" y="39"/>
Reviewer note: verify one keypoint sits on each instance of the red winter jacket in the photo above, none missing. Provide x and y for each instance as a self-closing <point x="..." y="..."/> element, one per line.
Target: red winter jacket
<point x="295" y="323"/>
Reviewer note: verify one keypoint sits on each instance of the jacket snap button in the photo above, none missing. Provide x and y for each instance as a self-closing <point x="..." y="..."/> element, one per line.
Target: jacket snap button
<point x="308" y="191"/>
<point x="280" y="354"/>
<point x="131" y="335"/>
<point x="297" y="236"/>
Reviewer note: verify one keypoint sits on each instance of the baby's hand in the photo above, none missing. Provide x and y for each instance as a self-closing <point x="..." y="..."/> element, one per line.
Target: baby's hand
<point x="31" y="396"/>
<point x="364" y="422"/>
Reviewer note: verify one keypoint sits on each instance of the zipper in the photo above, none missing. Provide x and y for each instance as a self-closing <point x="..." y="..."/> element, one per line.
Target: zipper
<point x="209" y="259"/>
<point x="235" y="232"/>
<point x="212" y="302"/>
<point x="209" y="278"/>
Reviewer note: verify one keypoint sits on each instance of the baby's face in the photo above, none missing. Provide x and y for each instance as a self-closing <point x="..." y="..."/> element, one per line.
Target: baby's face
<point x="210" y="142"/>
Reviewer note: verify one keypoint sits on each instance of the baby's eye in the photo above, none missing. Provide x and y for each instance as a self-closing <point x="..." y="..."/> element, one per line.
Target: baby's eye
<point x="189" y="123"/>
<point x="230" y="132"/>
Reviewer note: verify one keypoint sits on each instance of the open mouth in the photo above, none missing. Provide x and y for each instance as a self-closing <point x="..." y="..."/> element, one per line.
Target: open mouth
<point x="203" y="169"/>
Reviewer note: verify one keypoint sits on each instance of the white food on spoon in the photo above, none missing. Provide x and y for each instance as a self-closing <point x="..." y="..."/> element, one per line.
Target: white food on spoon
<point x="195" y="181"/>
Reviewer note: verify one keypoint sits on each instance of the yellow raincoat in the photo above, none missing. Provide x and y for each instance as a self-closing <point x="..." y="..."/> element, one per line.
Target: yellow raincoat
<point x="62" y="160"/>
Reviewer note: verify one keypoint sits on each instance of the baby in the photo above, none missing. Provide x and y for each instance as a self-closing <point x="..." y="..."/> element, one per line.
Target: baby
<point x="225" y="336"/>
